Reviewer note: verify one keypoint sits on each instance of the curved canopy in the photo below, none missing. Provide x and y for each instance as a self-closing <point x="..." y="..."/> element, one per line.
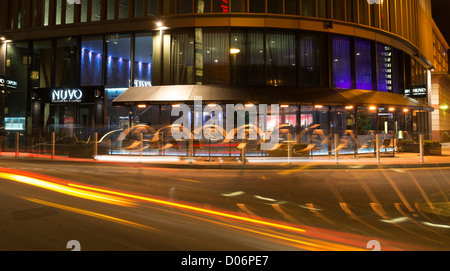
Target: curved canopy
<point x="160" y="95"/>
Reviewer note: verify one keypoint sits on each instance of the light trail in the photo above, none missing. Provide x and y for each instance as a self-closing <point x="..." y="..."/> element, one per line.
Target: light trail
<point x="66" y="189"/>
<point x="318" y="238"/>
<point x="93" y="214"/>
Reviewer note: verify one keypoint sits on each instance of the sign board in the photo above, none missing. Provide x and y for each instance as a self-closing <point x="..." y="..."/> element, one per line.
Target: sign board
<point x="9" y="83"/>
<point x="74" y="95"/>
<point x="417" y="92"/>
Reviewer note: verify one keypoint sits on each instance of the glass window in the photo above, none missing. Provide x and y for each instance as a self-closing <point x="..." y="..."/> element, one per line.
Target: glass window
<point x="364" y="12"/>
<point x="46" y="7"/>
<point x="138" y="8"/>
<point x="275" y="6"/>
<point x="66" y="62"/>
<point x="216" y="52"/>
<point x="202" y="6"/>
<point x="92" y="61"/>
<point x="281" y="58"/>
<point x="184" y="7"/>
<point x="41" y="64"/>
<point x="239" y="6"/>
<point x="143" y="59"/>
<point x="341" y="68"/>
<point x="16" y="70"/>
<point x="70" y="13"/>
<point x="352" y="11"/>
<point x="152" y="7"/>
<point x="123" y="9"/>
<point x="339" y="10"/>
<point x="111" y="6"/>
<point x="322" y="8"/>
<point x="248" y="60"/>
<point x="84" y="9"/>
<point x="309" y="8"/>
<point x="118" y="62"/>
<point x="398" y="72"/>
<point x="384" y="62"/>
<point x="363" y="58"/>
<point x="384" y="14"/>
<point x="58" y="11"/>
<point x="182" y="58"/>
<point x="96" y="10"/>
<point x="257" y="6"/>
<point x="312" y="60"/>
<point x="291" y="7"/>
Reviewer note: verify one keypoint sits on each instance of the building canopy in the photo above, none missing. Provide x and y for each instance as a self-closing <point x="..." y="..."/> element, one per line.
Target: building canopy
<point x="166" y="95"/>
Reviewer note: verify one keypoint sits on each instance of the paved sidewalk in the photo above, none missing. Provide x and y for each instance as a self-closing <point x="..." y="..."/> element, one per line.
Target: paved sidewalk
<point x="401" y="160"/>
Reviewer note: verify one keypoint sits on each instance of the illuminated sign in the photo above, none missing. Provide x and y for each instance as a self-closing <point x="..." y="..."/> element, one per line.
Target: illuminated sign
<point x="418" y="92"/>
<point x="141" y="83"/>
<point x="67" y="95"/>
<point x="224" y="6"/>
<point x="9" y="83"/>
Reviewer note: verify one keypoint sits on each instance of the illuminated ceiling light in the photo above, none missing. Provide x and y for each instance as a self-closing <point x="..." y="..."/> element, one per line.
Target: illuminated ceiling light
<point x="372" y="108"/>
<point x="406" y="110"/>
<point x="349" y="107"/>
<point x="318" y="106"/>
<point x="444" y="107"/>
<point x="176" y="106"/>
<point x="142" y="106"/>
<point x="2" y="38"/>
<point x="234" y="51"/>
<point x="249" y="105"/>
<point x="392" y="109"/>
<point x="160" y="26"/>
<point x="284" y="106"/>
<point x="212" y="105"/>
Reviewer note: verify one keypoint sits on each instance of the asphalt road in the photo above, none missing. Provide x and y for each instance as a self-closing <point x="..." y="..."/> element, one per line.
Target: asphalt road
<point x="146" y="208"/>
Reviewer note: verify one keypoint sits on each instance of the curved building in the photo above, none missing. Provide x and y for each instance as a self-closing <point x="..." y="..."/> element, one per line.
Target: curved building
<point x="355" y="68"/>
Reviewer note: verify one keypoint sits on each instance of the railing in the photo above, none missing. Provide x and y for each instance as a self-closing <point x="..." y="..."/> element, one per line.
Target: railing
<point x="144" y="140"/>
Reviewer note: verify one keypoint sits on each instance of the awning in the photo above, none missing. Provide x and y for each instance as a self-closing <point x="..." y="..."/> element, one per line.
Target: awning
<point x="167" y="95"/>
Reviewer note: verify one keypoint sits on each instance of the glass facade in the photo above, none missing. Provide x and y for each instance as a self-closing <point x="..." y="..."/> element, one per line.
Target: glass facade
<point x="92" y="61"/>
<point x="364" y="67"/>
<point x="210" y="55"/>
<point x="341" y="68"/>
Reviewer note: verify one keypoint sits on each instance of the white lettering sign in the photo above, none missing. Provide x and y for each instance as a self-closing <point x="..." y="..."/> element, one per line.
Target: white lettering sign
<point x="67" y="96"/>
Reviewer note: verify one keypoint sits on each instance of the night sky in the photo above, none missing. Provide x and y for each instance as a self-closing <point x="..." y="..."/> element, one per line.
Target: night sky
<point x="441" y="15"/>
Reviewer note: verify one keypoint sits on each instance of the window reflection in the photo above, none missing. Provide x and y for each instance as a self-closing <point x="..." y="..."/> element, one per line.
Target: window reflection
<point x="363" y="57"/>
<point x="66" y="62"/>
<point x="143" y="59"/>
<point x="118" y="61"/>
<point x="92" y="61"/>
<point x="281" y="58"/>
<point x="248" y="64"/>
<point x="341" y="62"/>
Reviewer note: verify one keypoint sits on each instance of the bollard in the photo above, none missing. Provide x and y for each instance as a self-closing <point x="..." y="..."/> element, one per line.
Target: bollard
<point x="243" y="151"/>
<point x="17" y="145"/>
<point x="378" y="147"/>
<point x="191" y="149"/>
<point x="95" y="145"/>
<point x="336" y="149"/>
<point x="289" y="148"/>
<point x="53" y="145"/>
<point x="141" y="138"/>
<point x="422" y="160"/>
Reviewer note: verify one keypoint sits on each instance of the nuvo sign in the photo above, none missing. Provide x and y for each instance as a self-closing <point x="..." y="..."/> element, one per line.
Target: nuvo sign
<point x="67" y="95"/>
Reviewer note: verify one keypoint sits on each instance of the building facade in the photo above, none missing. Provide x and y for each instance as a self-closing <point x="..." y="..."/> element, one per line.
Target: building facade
<point x="344" y="67"/>
<point x="440" y="88"/>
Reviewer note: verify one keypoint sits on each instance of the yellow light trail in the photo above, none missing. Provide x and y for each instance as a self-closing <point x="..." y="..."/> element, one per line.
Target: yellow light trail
<point x="195" y="209"/>
<point x="66" y="190"/>
<point x="93" y="214"/>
